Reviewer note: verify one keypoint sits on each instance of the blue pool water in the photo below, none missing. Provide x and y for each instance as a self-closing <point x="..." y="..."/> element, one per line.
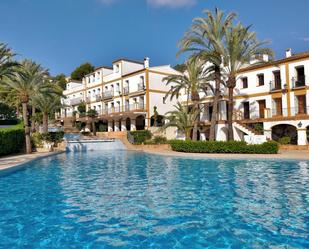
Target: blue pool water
<point x="134" y="200"/>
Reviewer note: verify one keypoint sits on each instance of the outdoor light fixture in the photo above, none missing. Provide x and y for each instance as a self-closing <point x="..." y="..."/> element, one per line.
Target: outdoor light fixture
<point x="299" y="124"/>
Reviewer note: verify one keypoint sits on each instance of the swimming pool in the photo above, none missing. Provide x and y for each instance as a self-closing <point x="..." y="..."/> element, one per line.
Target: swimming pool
<point x="125" y="199"/>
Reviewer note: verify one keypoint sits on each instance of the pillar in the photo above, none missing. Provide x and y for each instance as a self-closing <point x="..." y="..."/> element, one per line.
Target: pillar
<point x="133" y="125"/>
<point x="123" y="125"/>
<point x="301" y="137"/>
<point x="116" y="126"/>
<point x="267" y="133"/>
<point x="110" y="126"/>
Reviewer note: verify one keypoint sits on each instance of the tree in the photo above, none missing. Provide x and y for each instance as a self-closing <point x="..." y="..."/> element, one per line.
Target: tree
<point x="193" y="81"/>
<point x="204" y="40"/>
<point x="27" y="82"/>
<point x="239" y="47"/>
<point x="7" y="112"/>
<point x="92" y="114"/>
<point x="7" y="66"/>
<point x="180" y="67"/>
<point x="61" y="81"/>
<point x="47" y="104"/>
<point x="182" y="118"/>
<point x="81" y="71"/>
<point x="81" y="108"/>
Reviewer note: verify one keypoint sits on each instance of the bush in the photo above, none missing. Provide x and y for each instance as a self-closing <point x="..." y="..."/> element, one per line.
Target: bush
<point x="284" y="140"/>
<point x="9" y="122"/>
<point x="140" y="137"/>
<point x="52" y="137"/>
<point x="12" y="140"/>
<point x="157" y="140"/>
<point x="102" y="128"/>
<point x="236" y="147"/>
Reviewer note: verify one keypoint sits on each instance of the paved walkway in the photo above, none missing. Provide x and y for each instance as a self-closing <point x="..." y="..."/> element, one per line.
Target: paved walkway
<point x="291" y="154"/>
<point x="11" y="161"/>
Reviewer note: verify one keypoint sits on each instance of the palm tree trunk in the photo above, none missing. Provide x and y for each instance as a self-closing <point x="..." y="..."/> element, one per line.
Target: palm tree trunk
<point x="231" y="85"/>
<point x="94" y="131"/>
<point x="45" y="122"/>
<point x="32" y="121"/>
<point x="212" y="132"/>
<point x="27" y="128"/>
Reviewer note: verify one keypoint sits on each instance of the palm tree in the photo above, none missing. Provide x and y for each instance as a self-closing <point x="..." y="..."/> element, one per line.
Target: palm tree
<point x="7" y="65"/>
<point x="239" y="47"/>
<point x="204" y="39"/>
<point x="27" y="82"/>
<point x="193" y="81"/>
<point x="182" y="118"/>
<point x="47" y="104"/>
<point x="92" y="114"/>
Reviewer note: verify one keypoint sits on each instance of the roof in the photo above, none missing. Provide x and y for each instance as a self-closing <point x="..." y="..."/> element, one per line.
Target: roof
<point x="294" y="57"/>
<point x="106" y="67"/>
<point x="124" y="59"/>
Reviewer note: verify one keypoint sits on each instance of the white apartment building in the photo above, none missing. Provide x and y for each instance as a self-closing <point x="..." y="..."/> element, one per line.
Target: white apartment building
<point x="273" y="95"/>
<point x="124" y="95"/>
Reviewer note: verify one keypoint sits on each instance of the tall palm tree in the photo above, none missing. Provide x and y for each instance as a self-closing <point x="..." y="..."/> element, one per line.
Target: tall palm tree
<point x="193" y="81"/>
<point x="238" y="49"/>
<point x="47" y="104"/>
<point x="92" y="114"/>
<point x="7" y="65"/>
<point x="27" y="82"/>
<point x="182" y="118"/>
<point x="204" y="39"/>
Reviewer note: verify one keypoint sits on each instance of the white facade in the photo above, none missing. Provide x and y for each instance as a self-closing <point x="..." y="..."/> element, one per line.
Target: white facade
<point x="272" y="94"/>
<point x="124" y="95"/>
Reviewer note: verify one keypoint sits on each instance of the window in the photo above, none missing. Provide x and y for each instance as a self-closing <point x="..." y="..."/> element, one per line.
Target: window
<point x="260" y="79"/>
<point x="244" y="82"/>
<point x="116" y="68"/>
<point x="300" y="76"/>
<point x="163" y="100"/>
<point x="277" y="80"/>
<point x="142" y="79"/>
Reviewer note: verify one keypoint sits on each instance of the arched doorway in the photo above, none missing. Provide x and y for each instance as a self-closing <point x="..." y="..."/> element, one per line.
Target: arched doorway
<point x="128" y="124"/>
<point x="284" y="130"/>
<point x="140" y="122"/>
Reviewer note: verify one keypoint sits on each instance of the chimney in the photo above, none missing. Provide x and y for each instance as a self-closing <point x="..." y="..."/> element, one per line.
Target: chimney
<point x="288" y="53"/>
<point x="146" y="62"/>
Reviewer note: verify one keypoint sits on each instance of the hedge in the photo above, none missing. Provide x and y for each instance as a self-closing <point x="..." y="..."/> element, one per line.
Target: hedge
<point x="236" y="147"/>
<point x="140" y="137"/>
<point x="12" y="140"/>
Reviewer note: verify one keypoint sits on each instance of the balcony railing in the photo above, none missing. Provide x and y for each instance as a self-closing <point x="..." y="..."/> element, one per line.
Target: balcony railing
<point x="108" y="94"/>
<point x="141" y="87"/>
<point x="76" y="101"/>
<point x="98" y="97"/>
<point x="88" y="100"/>
<point x="299" y="81"/>
<point x="274" y="86"/>
<point x="126" y="90"/>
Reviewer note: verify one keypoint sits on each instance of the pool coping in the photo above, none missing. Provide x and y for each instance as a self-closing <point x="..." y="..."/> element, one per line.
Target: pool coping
<point x="282" y="155"/>
<point x="17" y="162"/>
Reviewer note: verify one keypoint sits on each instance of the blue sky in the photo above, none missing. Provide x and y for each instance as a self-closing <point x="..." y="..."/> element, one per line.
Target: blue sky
<point x="61" y="34"/>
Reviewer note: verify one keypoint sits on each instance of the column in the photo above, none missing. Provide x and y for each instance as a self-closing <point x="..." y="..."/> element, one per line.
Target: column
<point x="267" y="133"/>
<point x="123" y="125"/>
<point x="110" y="126"/>
<point x="301" y="137"/>
<point x="147" y="123"/>
<point x="116" y="126"/>
<point x="133" y="125"/>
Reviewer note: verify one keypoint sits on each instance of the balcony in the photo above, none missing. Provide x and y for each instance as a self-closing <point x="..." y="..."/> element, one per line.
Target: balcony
<point x="98" y="97"/>
<point x="275" y="85"/>
<point x="76" y="101"/>
<point x="134" y="107"/>
<point x="141" y="87"/>
<point x="299" y="81"/>
<point x="108" y="94"/>
<point x="126" y="90"/>
<point x="88" y="100"/>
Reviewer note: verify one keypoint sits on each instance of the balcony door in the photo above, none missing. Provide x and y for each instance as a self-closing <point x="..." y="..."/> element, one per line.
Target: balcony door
<point x="246" y="110"/>
<point x="278" y="107"/>
<point x="301" y="100"/>
<point x="277" y="79"/>
<point x="262" y="106"/>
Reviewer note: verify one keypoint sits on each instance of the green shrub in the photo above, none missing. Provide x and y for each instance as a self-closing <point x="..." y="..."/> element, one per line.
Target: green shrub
<point x="102" y="128"/>
<point x="140" y="137"/>
<point x="157" y="140"/>
<point x="284" y="140"/>
<point x="12" y="140"/>
<point x="236" y="147"/>
<point x="52" y="137"/>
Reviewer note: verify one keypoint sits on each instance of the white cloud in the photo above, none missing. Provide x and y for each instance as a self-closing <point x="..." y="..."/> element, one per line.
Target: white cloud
<point x="160" y="3"/>
<point x="171" y="3"/>
<point x="306" y="39"/>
